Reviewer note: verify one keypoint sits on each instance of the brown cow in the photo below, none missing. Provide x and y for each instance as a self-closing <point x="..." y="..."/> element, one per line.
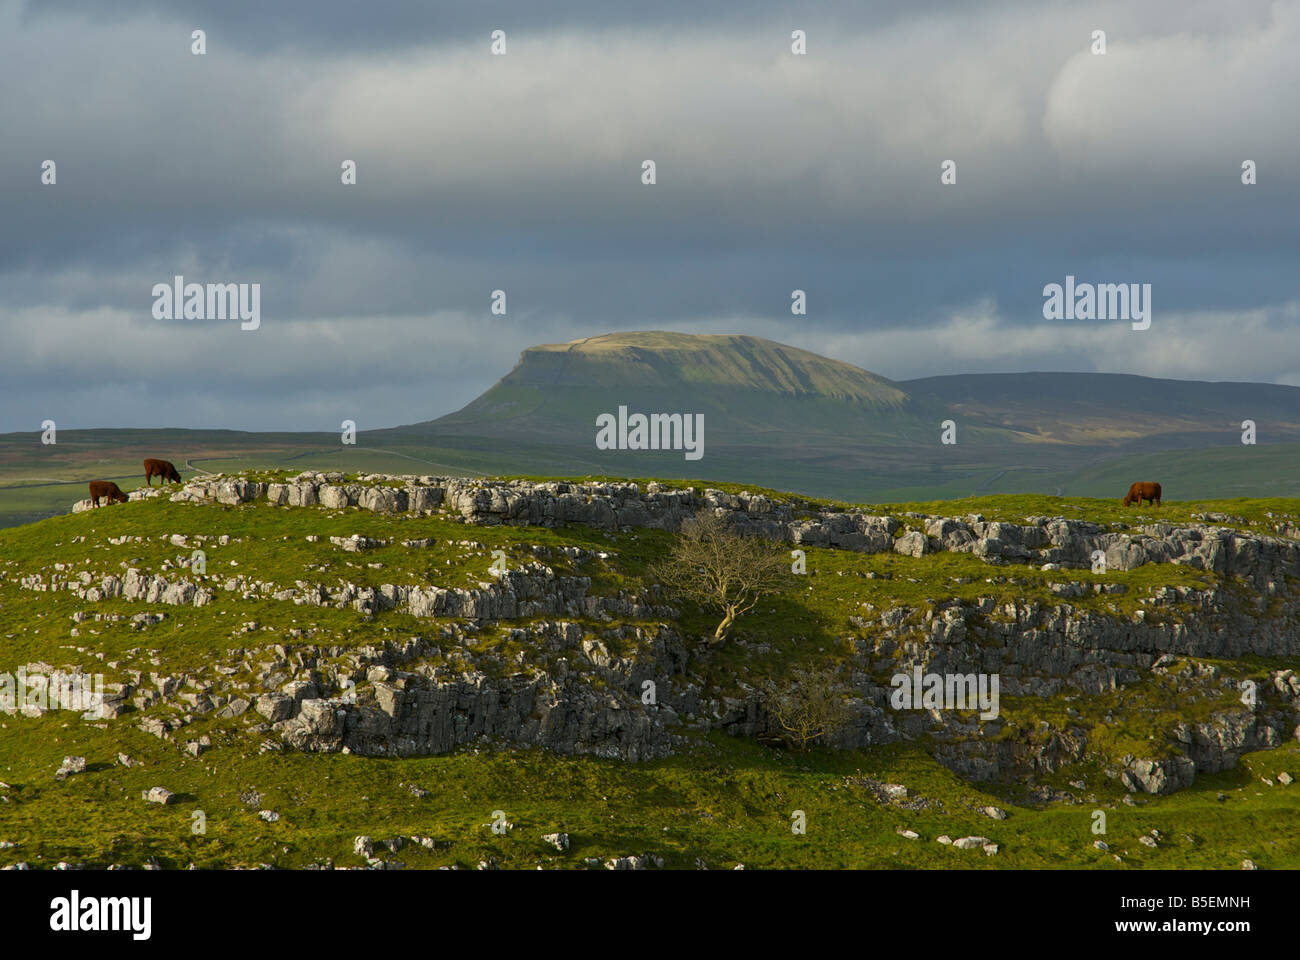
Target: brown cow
<point x="106" y="489"/>
<point x="164" y="469"/>
<point x="1143" y="491"/>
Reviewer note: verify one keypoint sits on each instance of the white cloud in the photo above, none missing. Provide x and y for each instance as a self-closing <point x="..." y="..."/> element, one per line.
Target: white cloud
<point x="1175" y="100"/>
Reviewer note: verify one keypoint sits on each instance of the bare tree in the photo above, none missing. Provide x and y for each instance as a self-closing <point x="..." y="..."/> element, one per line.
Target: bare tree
<point x="808" y="707"/>
<point x="716" y="568"/>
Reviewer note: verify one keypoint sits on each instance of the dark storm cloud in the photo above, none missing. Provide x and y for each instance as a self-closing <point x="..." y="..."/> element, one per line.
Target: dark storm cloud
<point x="522" y="172"/>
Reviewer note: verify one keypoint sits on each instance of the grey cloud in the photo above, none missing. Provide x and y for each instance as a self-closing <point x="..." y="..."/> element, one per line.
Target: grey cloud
<point x="521" y="172"/>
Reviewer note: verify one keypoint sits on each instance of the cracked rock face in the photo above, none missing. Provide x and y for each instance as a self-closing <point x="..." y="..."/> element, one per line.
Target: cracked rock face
<point x="417" y="715"/>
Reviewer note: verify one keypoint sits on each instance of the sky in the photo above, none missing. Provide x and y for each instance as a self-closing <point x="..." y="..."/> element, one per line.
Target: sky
<point x="522" y="172"/>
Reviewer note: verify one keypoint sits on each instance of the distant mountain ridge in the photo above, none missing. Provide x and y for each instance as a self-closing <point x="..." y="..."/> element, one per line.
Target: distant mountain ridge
<point x="1115" y="407"/>
<point x="754" y="387"/>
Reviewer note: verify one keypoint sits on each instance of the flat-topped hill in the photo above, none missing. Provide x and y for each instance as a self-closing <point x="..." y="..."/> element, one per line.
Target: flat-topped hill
<point x="752" y="392"/>
<point x="660" y="359"/>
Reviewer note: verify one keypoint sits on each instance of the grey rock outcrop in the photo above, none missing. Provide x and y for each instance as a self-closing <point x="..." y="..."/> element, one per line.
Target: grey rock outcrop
<point x="1062" y="542"/>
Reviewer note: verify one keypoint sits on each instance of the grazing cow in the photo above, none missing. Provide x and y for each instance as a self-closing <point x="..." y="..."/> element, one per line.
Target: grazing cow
<point x="164" y="469"/>
<point x="1143" y="491"/>
<point x="106" y="489"/>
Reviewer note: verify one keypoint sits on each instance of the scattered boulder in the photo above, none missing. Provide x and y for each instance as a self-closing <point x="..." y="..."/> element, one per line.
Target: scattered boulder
<point x="913" y="544"/>
<point x="70" y="766"/>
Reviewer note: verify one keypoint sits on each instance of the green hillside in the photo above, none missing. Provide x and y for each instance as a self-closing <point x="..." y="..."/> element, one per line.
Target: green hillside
<point x="720" y="801"/>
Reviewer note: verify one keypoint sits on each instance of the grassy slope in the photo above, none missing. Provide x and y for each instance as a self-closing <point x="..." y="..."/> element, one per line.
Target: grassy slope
<point x="727" y="802"/>
<point x="722" y="801"/>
